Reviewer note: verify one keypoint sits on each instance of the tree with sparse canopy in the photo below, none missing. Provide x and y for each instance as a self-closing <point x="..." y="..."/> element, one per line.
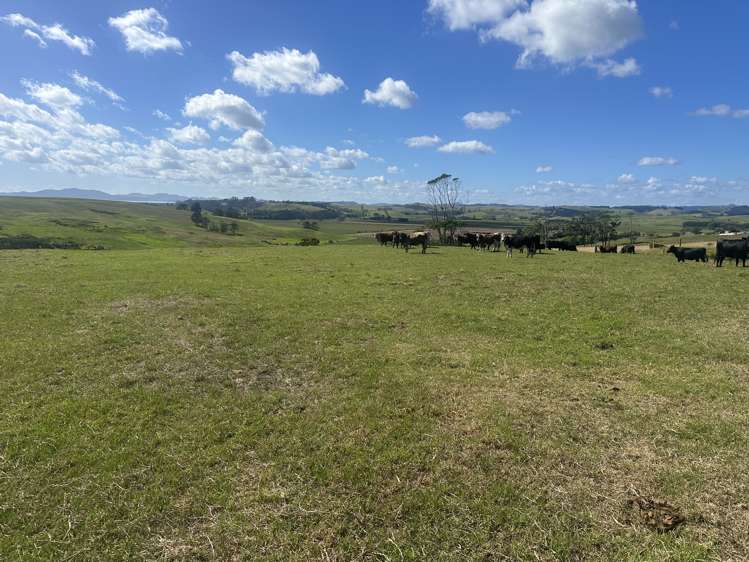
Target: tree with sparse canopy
<point x="444" y="197"/>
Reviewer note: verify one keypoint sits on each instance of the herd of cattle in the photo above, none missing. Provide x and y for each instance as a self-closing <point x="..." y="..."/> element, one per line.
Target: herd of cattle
<point x="492" y="241"/>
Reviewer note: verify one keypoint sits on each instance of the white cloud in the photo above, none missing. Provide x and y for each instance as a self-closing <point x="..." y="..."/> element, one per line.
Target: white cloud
<point x="287" y="70"/>
<point x="161" y="115"/>
<point x="334" y="159"/>
<point x="54" y="32"/>
<point x="221" y="108"/>
<point x="190" y="134"/>
<point x="36" y="37"/>
<point x="486" y="119"/>
<point x="661" y="92"/>
<point x="543" y="169"/>
<point x="52" y="95"/>
<point x="89" y="84"/>
<point x="391" y="92"/>
<point x="563" y="31"/>
<point x="392" y="170"/>
<point x="626" y="178"/>
<point x="466" y="147"/>
<point x="423" y="141"/>
<point x="657" y="161"/>
<point x="721" y="110"/>
<point x="254" y="140"/>
<point x="144" y="31"/>
<point x="610" y="67"/>
<point x="466" y="14"/>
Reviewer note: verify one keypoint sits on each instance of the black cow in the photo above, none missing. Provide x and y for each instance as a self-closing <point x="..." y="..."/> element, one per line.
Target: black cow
<point x="688" y="254"/>
<point x="628" y="249"/>
<point x="605" y="249"/>
<point x="518" y="242"/>
<point x="563" y="245"/>
<point x="468" y="238"/>
<point x="385" y="237"/>
<point x="415" y="239"/>
<point x="734" y="249"/>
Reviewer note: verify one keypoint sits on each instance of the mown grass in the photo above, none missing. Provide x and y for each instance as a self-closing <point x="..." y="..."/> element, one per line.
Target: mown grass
<point x="353" y="402"/>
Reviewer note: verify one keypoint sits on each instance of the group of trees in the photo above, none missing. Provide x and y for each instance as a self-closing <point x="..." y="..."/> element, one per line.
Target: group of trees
<point x="200" y="219"/>
<point x="584" y="228"/>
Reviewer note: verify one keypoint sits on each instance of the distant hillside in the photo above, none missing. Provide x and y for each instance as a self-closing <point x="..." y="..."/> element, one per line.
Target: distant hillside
<point x="73" y="193"/>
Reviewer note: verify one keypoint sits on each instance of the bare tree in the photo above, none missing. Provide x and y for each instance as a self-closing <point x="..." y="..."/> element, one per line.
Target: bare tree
<point x="444" y="197"/>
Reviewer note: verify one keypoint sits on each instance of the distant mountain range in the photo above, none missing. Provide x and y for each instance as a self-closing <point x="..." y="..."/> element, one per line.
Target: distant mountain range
<point x="72" y="193"/>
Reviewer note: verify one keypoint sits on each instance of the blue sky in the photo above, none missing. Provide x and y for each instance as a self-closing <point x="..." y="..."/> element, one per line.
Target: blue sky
<point x="538" y="101"/>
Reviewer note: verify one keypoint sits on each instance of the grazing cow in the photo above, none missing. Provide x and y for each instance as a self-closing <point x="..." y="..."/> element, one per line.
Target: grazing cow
<point x="563" y="245"/>
<point x="490" y="240"/>
<point x="416" y="239"/>
<point x="628" y="249"/>
<point x="688" y="254"/>
<point x="385" y="237"/>
<point x="734" y="249"/>
<point x="606" y="249"/>
<point x="518" y="242"/>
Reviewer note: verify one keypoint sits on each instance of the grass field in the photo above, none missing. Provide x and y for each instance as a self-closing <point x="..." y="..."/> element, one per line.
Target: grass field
<point x="352" y="402"/>
<point x="123" y="226"/>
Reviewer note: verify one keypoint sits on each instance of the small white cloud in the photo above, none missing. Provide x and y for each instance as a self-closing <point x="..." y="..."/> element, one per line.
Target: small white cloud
<point x="52" y="95"/>
<point x="287" y="70"/>
<point x="190" y="134"/>
<point x="395" y="93"/>
<point x="610" y="67"/>
<point x="144" y="31"/>
<point x="36" y="37"/>
<point x="543" y="169"/>
<point x="721" y="110"/>
<point x="626" y="178"/>
<point x="423" y="141"/>
<point x="392" y="170"/>
<point x="486" y="119"/>
<point x="657" y="161"/>
<point x="55" y="32"/>
<point x="221" y="108"/>
<point x="466" y="147"/>
<point x="161" y="115"/>
<point x="88" y="84"/>
<point x="661" y="92"/>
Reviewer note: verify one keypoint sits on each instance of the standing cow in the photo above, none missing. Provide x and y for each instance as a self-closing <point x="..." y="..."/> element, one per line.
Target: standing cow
<point x="518" y="242"/>
<point x="628" y="249"/>
<point x="688" y="254"/>
<point x="734" y="249"/>
<point x="416" y="239"/>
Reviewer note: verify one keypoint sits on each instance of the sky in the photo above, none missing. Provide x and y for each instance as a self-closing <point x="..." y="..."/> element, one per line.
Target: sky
<point x="605" y="102"/>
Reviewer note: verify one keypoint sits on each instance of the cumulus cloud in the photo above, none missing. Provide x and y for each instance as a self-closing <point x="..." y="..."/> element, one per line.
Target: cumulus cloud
<point x="52" y="95"/>
<point x="543" y="169"/>
<point x="610" y="67"/>
<point x="423" y="141"/>
<point x="626" y="178"/>
<point x="661" y="92"/>
<point x="190" y="134"/>
<point x="287" y="70"/>
<point x="721" y="110"/>
<point x="64" y="141"/>
<point x="486" y="119"/>
<point x="91" y="85"/>
<point x="562" y="31"/>
<point x="54" y="32"/>
<point x="466" y="147"/>
<point x="221" y="108"/>
<point x="395" y="93"/>
<point x="144" y="31"/>
<point x="254" y="140"/>
<point x="657" y="161"/>
<point x="392" y="170"/>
